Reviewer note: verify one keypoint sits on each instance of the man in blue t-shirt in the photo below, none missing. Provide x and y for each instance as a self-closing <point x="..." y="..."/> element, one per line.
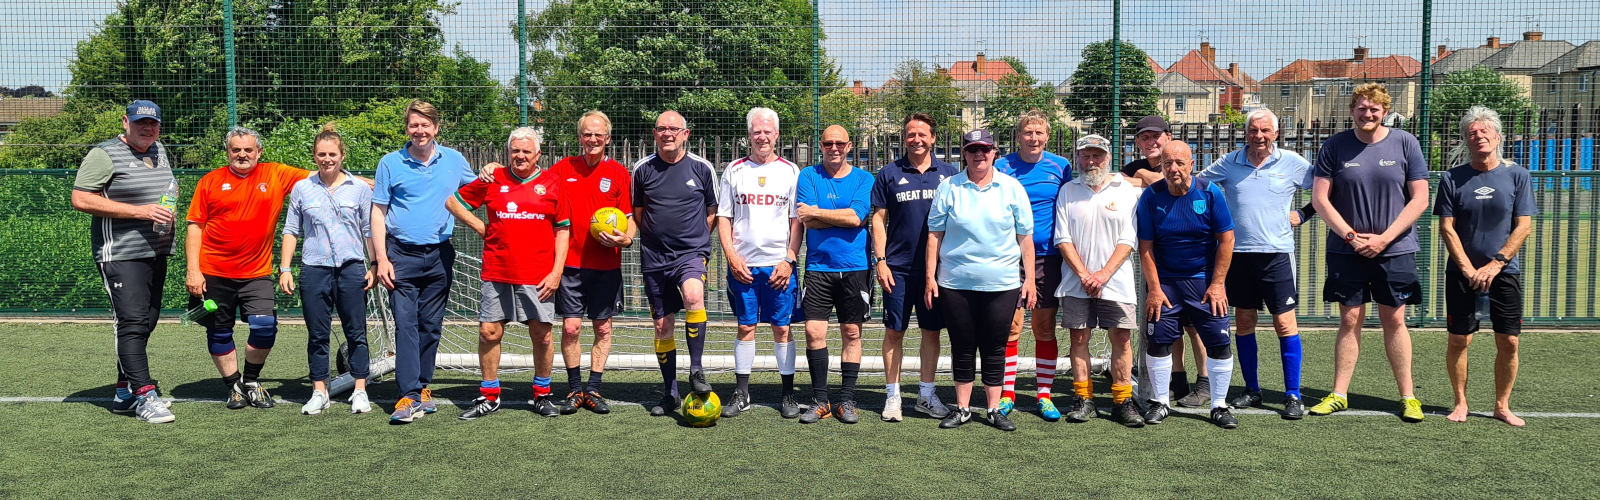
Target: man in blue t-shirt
<point x="411" y="236"/>
<point x="831" y="200"/>
<point x="902" y="195"/>
<point x="1260" y="183"/>
<point x="675" y="205"/>
<point x="1371" y="186"/>
<point x="1185" y="248"/>
<point x="1485" y="210"/>
<point x="1041" y="173"/>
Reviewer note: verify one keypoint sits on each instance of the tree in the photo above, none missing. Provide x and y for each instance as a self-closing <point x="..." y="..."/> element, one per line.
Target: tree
<point x="1017" y="94"/>
<point x="1091" y="83"/>
<point x="844" y="108"/>
<point x="711" y="61"/>
<point x="921" y="88"/>
<point x="1481" y="86"/>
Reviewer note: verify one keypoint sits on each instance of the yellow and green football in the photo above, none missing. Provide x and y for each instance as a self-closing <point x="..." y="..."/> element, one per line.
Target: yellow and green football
<point x="702" y="412"/>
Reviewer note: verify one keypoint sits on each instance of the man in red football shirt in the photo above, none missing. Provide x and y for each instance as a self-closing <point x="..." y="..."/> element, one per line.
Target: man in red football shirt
<point x="232" y="221"/>
<point x="524" y="249"/>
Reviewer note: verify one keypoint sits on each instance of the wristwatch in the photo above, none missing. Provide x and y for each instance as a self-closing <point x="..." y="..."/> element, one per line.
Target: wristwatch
<point x="283" y="269"/>
<point x="1350" y="236"/>
<point x="1501" y="258"/>
<point x="790" y="261"/>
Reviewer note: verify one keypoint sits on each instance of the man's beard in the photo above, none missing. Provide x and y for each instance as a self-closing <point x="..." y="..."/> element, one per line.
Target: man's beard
<point x="1094" y="176"/>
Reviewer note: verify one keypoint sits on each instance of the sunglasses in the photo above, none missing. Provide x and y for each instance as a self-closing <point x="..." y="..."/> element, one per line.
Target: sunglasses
<point x="978" y="149"/>
<point x="835" y="144"/>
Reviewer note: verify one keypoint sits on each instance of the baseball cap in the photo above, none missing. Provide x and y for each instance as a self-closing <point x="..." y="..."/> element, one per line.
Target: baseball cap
<point x="978" y="136"/>
<point x="1152" y="122"/>
<point x="1093" y="141"/>
<point x="141" y="109"/>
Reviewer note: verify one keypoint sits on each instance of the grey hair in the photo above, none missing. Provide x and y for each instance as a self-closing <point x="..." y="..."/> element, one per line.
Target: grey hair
<point x="227" y="141"/>
<point x="605" y="120"/>
<point x="760" y="114"/>
<point x="1479" y="114"/>
<point x="525" y="133"/>
<point x="1260" y="114"/>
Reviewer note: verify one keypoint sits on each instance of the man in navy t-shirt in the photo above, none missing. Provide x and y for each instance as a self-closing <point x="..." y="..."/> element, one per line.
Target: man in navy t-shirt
<point x="1371" y="185"/>
<point x="1185" y="248"/>
<point x="1485" y="210"/>
<point x="902" y="195"/>
<point x="675" y="202"/>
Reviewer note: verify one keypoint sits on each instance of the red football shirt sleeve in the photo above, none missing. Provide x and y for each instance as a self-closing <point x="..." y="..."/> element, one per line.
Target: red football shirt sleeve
<point x="563" y="209"/>
<point x="472" y="194"/>
<point x="284" y="177"/>
<point x="198" y="202"/>
<point x="625" y="201"/>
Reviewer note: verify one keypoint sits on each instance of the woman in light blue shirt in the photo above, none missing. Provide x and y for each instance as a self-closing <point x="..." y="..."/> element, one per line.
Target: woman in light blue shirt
<point x="978" y="271"/>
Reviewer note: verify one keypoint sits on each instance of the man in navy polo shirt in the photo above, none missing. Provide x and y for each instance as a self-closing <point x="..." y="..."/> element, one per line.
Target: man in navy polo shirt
<point x="902" y="195"/>
<point x="411" y="234"/>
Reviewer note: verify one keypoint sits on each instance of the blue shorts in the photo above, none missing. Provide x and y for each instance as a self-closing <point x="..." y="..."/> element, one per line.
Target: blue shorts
<point x="775" y="307"/>
<point x="1187" y="296"/>
<point x="663" y="287"/>
<point x="906" y="296"/>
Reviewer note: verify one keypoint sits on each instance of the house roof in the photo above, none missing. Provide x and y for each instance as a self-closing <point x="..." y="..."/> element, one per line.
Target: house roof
<point x="1155" y="66"/>
<point x="1463" y="59"/>
<point x="13" y="110"/>
<point x="1585" y="57"/>
<point x="1528" y="54"/>
<point x="1305" y="70"/>
<point x="1175" y="83"/>
<point x="1195" y="67"/>
<point x="993" y="69"/>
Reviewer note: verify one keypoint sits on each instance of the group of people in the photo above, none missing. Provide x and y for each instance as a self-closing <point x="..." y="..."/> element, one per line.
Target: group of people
<point x="970" y="250"/>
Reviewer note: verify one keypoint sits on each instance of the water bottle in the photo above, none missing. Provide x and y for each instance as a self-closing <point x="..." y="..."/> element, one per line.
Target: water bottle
<point x="1481" y="311"/>
<point x="200" y="311"/>
<point x="169" y="201"/>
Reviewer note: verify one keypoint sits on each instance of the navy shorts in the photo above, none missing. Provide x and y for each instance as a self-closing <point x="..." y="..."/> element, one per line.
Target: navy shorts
<point x="1257" y="279"/>
<point x="1187" y="296"/>
<point x="906" y="296"/>
<point x="1461" y="308"/>
<point x="661" y="287"/>
<point x="1354" y="280"/>
<point x="597" y="293"/>
<point x="758" y="302"/>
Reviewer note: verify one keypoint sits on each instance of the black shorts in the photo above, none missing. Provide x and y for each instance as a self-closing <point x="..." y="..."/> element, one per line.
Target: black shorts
<point x="599" y="293"/>
<point x="849" y="293"/>
<point x="664" y="288"/>
<point x="235" y="298"/>
<point x="1354" y="280"/>
<point x="1046" y="279"/>
<point x="1460" y="303"/>
<point x="1256" y="279"/>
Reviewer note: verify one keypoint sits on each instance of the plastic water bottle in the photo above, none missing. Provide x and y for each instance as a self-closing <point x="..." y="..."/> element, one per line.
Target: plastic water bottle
<point x="200" y="311"/>
<point x="169" y="201"/>
<point x="1481" y="311"/>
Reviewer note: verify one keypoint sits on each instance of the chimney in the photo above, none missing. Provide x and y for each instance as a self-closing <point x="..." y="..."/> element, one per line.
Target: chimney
<point x="943" y="72"/>
<point x="1533" y="36"/>
<point x="1442" y="50"/>
<point x="977" y="66"/>
<point x="1361" y="54"/>
<point x="1233" y="70"/>
<point x="858" y="84"/>
<point x="1494" y="43"/>
<point x="1207" y="52"/>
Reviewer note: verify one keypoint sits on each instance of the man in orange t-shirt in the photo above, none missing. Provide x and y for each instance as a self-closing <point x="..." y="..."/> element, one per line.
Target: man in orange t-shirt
<point x="232" y="221"/>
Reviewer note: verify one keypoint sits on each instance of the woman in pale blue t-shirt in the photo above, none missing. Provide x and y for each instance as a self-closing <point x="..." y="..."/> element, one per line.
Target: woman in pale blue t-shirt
<point x="978" y="271"/>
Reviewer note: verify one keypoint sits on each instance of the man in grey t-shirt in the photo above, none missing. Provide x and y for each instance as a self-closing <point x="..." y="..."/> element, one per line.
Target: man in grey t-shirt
<point x="1371" y="185"/>
<point x="120" y="183"/>
<point x="1485" y="210"/>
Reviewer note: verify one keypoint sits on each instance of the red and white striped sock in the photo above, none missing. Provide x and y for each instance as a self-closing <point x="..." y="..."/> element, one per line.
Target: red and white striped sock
<point x="1045" y="352"/>
<point x="1009" y="388"/>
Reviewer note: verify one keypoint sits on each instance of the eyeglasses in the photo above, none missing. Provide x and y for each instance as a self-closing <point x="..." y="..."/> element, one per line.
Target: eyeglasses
<point x="669" y="130"/>
<point x="835" y="144"/>
<point x="595" y="135"/>
<point x="978" y="149"/>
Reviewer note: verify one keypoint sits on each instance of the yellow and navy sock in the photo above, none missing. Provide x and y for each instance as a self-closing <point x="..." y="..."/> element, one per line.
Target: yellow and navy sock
<point x="695" y="328"/>
<point x="490" y="389"/>
<point x="667" y="357"/>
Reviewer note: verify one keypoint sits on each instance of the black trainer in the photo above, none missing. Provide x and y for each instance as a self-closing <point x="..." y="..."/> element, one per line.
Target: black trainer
<point x="544" y="405"/>
<point x="596" y="403"/>
<point x="481" y="407"/>
<point x="256" y="395"/>
<point x="739" y="404"/>
<point x="1293" y="409"/>
<point x="1247" y="400"/>
<point x="697" y="382"/>
<point x="1126" y="413"/>
<point x="1158" y="411"/>
<point x="667" y="405"/>
<point x="819" y="410"/>
<point x="955" y="418"/>
<point x="572" y="403"/>
<point x="1223" y="418"/>
<point x="846" y="412"/>
<point x="1199" y="394"/>
<point x="789" y="408"/>
<point x="236" y="397"/>
<point x="1083" y="410"/>
<point x="999" y="420"/>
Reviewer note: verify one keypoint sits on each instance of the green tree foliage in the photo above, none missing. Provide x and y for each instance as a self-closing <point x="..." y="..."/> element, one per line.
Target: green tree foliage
<point x="1481" y="86"/>
<point x="1091" y="96"/>
<point x="920" y="88"/>
<point x="1018" y="93"/>
<point x="634" y="59"/>
<point x="844" y="108"/>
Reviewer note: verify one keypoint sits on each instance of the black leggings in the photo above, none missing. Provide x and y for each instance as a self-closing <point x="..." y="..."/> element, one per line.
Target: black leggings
<point x="979" y="322"/>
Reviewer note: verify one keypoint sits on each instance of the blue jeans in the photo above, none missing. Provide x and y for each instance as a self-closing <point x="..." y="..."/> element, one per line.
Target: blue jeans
<point x="422" y="276"/>
<point x="322" y="289"/>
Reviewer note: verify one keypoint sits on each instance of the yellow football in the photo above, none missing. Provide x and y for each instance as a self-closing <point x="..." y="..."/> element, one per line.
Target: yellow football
<point x="606" y="220"/>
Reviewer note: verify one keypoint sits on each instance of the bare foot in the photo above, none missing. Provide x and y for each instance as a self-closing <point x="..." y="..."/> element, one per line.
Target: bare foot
<point x="1459" y="415"/>
<point x="1505" y="415"/>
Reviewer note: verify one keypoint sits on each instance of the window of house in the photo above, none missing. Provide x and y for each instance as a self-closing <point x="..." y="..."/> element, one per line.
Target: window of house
<point x="1551" y="89"/>
<point x="1347" y="88"/>
<point x="1583" y="82"/>
<point x="1178" y="104"/>
<point x="1284" y="91"/>
<point x="1319" y="90"/>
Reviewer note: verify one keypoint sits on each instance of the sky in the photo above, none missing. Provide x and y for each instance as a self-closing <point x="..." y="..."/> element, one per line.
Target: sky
<point x="869" y="37"/>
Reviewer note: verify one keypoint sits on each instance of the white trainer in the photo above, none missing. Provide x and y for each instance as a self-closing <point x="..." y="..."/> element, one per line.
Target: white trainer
<point x="891" y="408"/>
<point x="319" y="401"/>
<point x="359" y="402"/>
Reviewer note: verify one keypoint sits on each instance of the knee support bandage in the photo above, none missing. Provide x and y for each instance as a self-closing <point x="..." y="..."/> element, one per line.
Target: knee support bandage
<point x="263" y="331"/>
<point x="219" y="341"/>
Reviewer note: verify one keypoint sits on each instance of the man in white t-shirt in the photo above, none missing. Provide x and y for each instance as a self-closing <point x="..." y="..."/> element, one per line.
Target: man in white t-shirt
<point x="1096" y="235"/>
<point x="760" y="236"/>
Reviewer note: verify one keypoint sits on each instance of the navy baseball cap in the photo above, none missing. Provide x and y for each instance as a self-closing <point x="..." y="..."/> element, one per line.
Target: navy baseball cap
<point x="978" y="136"/>
<point x="1152" y="122"/>
<point x="141" y="109"/>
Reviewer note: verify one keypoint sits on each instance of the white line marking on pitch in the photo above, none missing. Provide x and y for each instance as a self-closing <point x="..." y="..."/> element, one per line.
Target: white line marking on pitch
<point x="447" y="402"/>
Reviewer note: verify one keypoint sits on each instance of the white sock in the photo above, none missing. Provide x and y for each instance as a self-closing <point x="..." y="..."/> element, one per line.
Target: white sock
<point x="1221" y="371"/>
<point x="892" y="390"/>
<point x="784" y="351"/>
<point x="744" y="356"/>
<point x="1160" y="375"/>
<point x="925" y="389"/>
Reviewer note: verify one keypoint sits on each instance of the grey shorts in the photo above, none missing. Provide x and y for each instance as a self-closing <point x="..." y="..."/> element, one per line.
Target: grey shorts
<point x="1078" y="314"/>
<point x="519" y="303"/>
